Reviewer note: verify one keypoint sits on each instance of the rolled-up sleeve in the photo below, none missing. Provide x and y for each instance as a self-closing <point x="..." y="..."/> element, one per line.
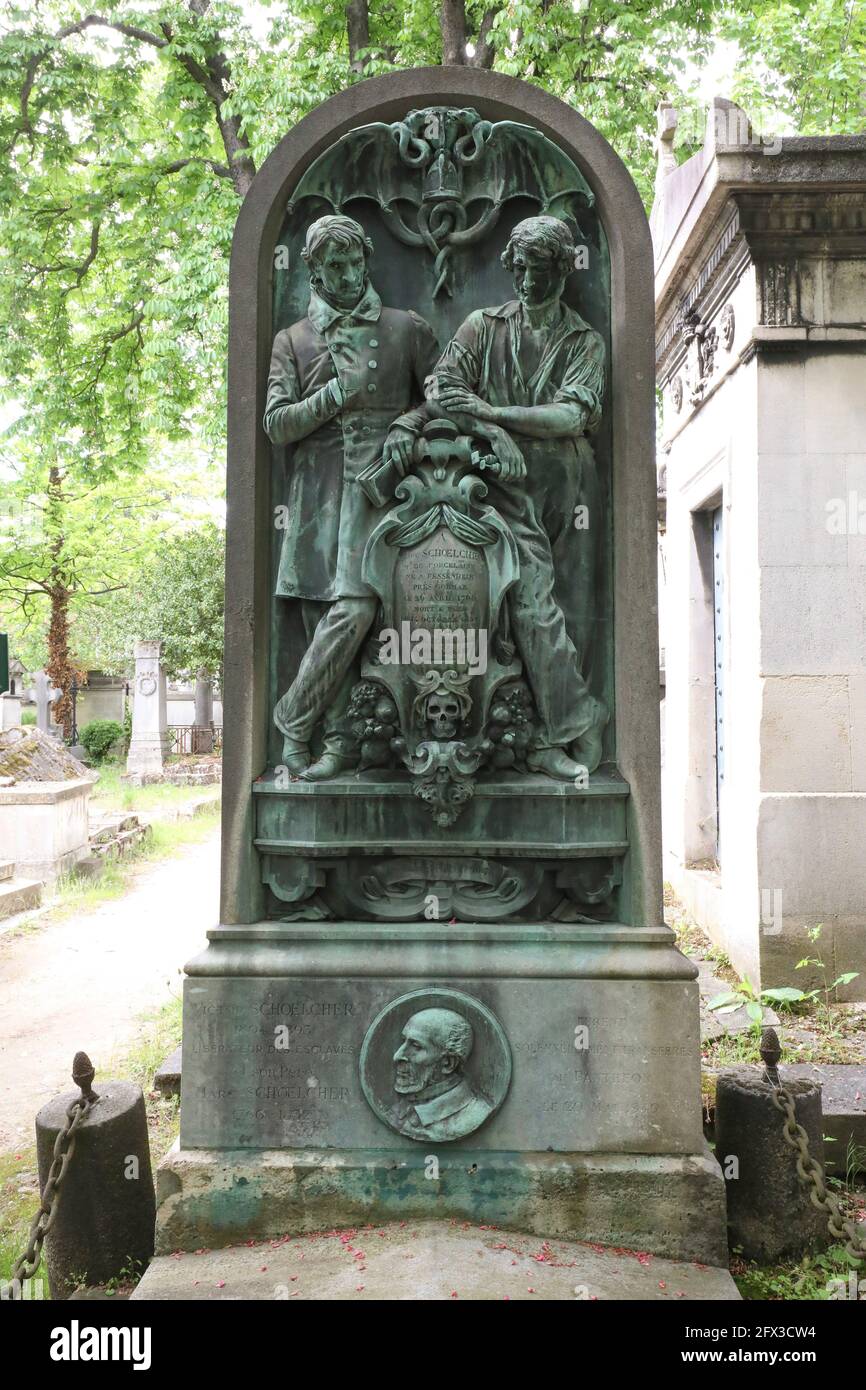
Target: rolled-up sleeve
<point x="288" y="418"/>
<point x="460" y="363"/>
<point x="583" y="383"/>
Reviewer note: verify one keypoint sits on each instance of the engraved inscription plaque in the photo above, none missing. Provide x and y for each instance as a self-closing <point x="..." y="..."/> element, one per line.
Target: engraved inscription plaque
<point x="442" y="584"/>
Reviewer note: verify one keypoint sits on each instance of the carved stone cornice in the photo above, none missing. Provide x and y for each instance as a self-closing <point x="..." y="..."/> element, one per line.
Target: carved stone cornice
<point x="800" y="222"/>
<point x="775" y="211"/>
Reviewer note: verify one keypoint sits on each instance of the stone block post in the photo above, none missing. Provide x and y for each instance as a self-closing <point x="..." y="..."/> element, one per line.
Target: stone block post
<point x="150" y="743"/>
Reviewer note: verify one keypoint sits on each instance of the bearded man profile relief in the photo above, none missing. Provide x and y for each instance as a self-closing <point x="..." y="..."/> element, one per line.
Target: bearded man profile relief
<point x="429" y="1074"/>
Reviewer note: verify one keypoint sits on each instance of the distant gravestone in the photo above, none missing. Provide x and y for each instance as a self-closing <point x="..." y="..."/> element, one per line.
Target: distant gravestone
<point x="46" y="694"/>
<point x="10" y="711"/>
<point x="203" y="716"/>
<point x="150" y="743"/>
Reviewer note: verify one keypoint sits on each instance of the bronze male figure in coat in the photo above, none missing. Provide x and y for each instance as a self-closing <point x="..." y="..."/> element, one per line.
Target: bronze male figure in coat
<point x="338" y="380"/>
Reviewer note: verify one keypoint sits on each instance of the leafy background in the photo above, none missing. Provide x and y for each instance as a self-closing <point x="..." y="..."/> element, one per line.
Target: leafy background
<point x="130" y="135"/>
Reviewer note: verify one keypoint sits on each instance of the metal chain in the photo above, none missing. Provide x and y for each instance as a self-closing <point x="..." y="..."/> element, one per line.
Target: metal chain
<point x="809" y="1170"/>
<point x="64" y="1147"/>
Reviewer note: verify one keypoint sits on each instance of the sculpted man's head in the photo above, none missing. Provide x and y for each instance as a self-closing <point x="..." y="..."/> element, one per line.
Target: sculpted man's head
<point x="336" y="250"/>
<point x="435" y="1046"/>
<point x="540" y="257"/>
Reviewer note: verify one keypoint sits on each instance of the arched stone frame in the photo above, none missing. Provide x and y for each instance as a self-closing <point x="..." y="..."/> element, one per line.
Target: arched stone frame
<point x="246" y="712"/>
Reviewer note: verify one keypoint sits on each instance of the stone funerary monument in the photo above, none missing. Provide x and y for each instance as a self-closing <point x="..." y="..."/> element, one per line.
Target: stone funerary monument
<point x="441" y="933"/>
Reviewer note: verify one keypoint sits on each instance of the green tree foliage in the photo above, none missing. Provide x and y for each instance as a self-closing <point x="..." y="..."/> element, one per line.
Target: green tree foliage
<point x="803" y="62"/>
<point x="130" y="133"/>
<point x="176" y="594"/>
<point x="71" y="540"/>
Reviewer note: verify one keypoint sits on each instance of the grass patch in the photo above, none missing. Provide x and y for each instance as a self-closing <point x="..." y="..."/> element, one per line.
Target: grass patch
<point x="808" y="1279"/>
<point x="19" y="1198"/>
<point x="743" y="1049"/>
<point x="111" y="793"/>
<point x="811" y="1277"/>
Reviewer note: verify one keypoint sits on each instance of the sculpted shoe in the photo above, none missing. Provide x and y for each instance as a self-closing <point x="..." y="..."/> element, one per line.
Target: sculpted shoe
<point x="588" y="748"/>
<point x="554" y="762"/>
<point x="296" y="756"/>
<point x="326" y="767"/>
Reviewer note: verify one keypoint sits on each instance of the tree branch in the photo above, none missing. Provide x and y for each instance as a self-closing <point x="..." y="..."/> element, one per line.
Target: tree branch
<point x="235" y="142"/>
<point x="214" y="78"/>
<point x="89" y="21"/>
<point x="485" y="48"/>
<point x="134" y="326"/>
<point x="81" y="268"/>
<point x="222" y="169"/>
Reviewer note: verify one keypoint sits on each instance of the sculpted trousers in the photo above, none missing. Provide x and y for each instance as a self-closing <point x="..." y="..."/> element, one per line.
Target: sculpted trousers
<point x="335" y="632"/>
<point x="551" y="663"/>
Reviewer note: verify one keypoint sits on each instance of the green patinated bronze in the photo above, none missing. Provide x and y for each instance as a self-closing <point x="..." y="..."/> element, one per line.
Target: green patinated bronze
<point x="441" y="566"/>
<point x="441" y="935"/>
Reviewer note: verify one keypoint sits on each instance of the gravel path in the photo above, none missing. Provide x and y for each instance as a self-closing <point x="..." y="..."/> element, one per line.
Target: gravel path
<point x="81" y="983"/>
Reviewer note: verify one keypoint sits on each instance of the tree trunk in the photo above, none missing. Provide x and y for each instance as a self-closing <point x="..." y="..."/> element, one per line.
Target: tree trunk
<point x="216" y="80"/>
<point x="59" y="666"/>
<point x="452" y="21"/>
<point x="485" y="49"/>
<point x="358" y="31"/>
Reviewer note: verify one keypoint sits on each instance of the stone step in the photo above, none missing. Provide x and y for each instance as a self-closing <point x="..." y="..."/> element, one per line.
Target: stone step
<point x="429" y="1260"/>
<point x="109" y="828"/>
<point x="131" y="837"/>
<point x="90" y="868"/>
<point x="19" y="895"/>
<point x="105" y="845"/>
<point x="166" y="1079"/>
<point x="7" y="869"/>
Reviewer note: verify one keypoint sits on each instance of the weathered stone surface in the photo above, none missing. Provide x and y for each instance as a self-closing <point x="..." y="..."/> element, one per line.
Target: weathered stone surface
<point x="843" y="1105"/>
<point x="598" y="1065"/>
<point x="105" y="1221"/>
<point x="149" y="745"/>
<point x="44" y="825"/>
<point x="770" y="1216"/>
<point x="46" y="694"/>
<point x="19" y="895"/>
<point x="673" y="1206"/>
<point x="166" y="1079"/>
<point x="769" y="242"/>
<point x="10" y="712"/>
<point x="28" y="755"/>
<point x="429" y="1261"/>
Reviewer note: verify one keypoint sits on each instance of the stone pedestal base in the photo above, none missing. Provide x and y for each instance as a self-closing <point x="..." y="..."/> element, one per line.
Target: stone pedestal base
<point x="582" y="1074"/>
<point x="670" y="1205"/>
<point x="147" y="756"/>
